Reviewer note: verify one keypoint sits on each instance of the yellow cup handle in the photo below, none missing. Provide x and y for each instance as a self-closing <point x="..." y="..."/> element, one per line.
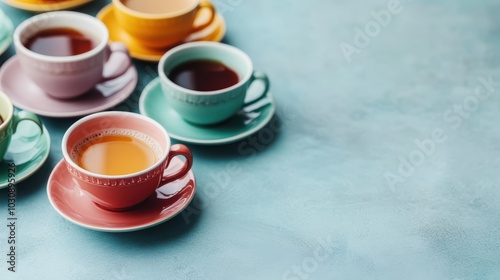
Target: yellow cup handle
<point x="204" y="5"/>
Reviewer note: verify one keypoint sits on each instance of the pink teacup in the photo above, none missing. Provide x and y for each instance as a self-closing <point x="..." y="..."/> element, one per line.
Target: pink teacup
<point x="72" y="75"/>
<point x="120" y="192"/>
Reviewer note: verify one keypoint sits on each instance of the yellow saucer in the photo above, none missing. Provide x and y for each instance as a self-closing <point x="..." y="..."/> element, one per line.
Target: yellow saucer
<point x="45" y="5"/>
<point x="214" y="32"/>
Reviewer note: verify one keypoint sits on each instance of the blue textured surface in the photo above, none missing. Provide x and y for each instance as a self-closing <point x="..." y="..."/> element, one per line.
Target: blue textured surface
<point x="311" y="199"/>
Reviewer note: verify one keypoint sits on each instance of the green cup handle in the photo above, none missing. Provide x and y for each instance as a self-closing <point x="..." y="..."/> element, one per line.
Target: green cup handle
<point x="25" y="116"/>
<point x="258" y="75"/>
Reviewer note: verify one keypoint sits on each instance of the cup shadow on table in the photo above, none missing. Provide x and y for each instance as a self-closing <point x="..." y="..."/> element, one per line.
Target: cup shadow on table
<point x="62" y="124"/>
<point x="92" y="7"/>
<point x="255" y="144"/>
<point x="36" y="182"/>
<point x="226" y="40"/>
<point x="26" y="188"/>
<point x="6" y="55"/>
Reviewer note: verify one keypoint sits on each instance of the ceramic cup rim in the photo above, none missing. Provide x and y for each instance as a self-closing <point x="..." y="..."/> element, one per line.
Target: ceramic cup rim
<point x="104" y="115"/>
<point x="203" y="44"/>
<point x="150" y="16"/>
<point x="6" y="121"/>
<point x="102" y="33"/>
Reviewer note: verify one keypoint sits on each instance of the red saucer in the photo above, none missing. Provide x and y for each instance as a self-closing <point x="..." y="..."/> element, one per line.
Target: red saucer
<point x="168" y="201"/>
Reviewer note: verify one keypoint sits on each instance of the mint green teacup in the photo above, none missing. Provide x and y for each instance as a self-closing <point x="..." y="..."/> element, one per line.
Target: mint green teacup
<point x="209" y="107"/>
<point x="10" y="120"/>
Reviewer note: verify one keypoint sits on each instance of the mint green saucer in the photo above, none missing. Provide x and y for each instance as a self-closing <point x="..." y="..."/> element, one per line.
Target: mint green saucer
<point x="6" y="32"/>
<point x="154" y="105"/>
<point x="23" y="171"/>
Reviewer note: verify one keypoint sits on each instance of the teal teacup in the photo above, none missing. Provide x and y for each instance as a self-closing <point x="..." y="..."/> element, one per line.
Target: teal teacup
<point x="9" y="121"/>
<point x="211" y="105"/>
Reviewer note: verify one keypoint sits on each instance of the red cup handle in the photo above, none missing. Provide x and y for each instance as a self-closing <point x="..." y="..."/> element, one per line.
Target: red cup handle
<point x="178" y="150"/>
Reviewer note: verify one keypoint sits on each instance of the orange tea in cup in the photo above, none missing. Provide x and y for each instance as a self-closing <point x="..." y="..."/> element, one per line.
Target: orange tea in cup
<point x="116" y="155"/>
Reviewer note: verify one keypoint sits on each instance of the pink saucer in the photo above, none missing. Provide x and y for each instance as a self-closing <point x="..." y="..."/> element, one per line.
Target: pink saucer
<point x="69" y="201"/>
<point x="28" y="96"/>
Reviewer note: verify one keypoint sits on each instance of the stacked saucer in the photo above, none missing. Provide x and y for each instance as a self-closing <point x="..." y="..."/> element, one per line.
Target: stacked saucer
<point x="47" y="85"/>
<point x="45" y="6"/>
<point x="154" y="104"/>
<point x="214" y="31"/>
<point x="6" y="30"/>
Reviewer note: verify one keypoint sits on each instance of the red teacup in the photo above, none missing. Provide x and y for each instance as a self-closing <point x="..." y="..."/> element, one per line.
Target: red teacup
<point x="95" y="151"/>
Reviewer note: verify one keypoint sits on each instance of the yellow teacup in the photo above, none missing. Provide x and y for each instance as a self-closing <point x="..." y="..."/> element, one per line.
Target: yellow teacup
<point x="159" y="24"/>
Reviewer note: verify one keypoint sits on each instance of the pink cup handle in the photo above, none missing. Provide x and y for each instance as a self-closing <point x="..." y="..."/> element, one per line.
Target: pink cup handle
<point x="179" y="150"/>
<point x="117" y="61"/>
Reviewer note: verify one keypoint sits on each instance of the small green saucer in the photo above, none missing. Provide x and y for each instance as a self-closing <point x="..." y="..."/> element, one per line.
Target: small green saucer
<point x="154" y="105"/>
<point x="23" y="171"/>
<point x="6" y="31"/>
